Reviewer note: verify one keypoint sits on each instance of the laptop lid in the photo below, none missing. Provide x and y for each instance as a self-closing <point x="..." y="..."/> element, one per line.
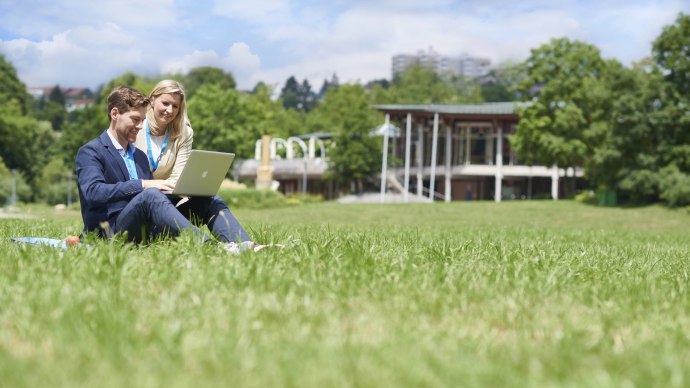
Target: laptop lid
<point x="203" y="173"/>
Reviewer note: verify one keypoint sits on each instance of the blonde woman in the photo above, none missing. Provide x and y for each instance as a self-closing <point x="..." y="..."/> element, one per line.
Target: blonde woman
<point x="167" y="140"/>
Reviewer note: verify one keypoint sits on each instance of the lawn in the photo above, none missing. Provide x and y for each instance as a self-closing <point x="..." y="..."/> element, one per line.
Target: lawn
<point x="536" y="293"/>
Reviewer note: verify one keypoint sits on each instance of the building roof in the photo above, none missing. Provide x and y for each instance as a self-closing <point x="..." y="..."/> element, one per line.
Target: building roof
<point x="489" y="108"/>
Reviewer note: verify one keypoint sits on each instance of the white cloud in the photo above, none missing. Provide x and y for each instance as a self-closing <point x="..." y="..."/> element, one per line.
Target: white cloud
<point x="49" y="43"/>
<point x="239" y="60"/>
<point x="83" y="56"/>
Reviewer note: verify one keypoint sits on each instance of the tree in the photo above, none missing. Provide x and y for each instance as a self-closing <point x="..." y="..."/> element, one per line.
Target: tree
<point x="328" y="85"/>
<point x="646" y="154"/>
<point x="87" y="124"/>
<point x="275" y="121"/>
<point x="356" y="155"/>
<point x="222" y="121"/>
<point x="11" y="88"/>
<point x="207" y="75"/>
<point x="418" y="85"/>
<point x="144" y="85"/>
<point x="501" y="83"/>
<point x="671" y="50"/>
<point x="298" y="96"/>
<point x="569" y="104"/>
<point x="52" y="109"/>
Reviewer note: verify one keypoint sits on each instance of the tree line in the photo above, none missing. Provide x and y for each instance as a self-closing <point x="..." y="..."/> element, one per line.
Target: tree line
<point x="629" y="127"/>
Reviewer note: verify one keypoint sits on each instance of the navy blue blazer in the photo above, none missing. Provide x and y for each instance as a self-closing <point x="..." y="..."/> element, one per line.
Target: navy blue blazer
<point x="103" y="181"/>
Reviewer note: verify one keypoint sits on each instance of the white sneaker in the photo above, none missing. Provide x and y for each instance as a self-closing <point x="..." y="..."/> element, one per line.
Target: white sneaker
<point x="237" y="248"/>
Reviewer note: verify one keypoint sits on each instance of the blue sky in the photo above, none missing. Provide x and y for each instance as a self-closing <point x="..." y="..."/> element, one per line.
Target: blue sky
<point x="89" y="42"/>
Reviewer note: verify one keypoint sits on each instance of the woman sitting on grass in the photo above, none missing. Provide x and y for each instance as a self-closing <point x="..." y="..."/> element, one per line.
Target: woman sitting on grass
<point x="167" y="141"/>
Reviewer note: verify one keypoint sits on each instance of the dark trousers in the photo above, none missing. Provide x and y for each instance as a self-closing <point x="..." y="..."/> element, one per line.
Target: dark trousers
<point x="151" y="214"/>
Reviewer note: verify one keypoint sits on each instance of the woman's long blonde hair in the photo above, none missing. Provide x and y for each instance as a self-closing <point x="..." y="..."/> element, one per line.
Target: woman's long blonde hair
<point x="169" y="86"/>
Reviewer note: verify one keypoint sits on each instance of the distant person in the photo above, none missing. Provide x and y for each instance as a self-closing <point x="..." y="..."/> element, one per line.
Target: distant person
<point x="118" y="192"/>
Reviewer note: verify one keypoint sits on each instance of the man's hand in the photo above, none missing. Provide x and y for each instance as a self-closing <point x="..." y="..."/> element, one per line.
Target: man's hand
<point x="159" y="184"/>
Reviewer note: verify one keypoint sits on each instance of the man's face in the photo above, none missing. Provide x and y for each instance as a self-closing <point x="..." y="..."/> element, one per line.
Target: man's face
<point x="128" y="124"/>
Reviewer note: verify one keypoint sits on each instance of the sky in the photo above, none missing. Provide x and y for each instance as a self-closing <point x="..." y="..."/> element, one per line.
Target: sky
<point x="86" y="43"/>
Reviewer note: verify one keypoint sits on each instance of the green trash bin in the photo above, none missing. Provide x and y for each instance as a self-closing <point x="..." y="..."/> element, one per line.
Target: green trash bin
<point x="608" y="198"/>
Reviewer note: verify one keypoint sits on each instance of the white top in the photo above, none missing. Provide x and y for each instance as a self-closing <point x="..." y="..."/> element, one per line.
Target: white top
<point x="156" y="145"/>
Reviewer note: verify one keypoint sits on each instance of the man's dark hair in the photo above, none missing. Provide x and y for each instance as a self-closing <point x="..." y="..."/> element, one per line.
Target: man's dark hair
<point x="125" y="98"/>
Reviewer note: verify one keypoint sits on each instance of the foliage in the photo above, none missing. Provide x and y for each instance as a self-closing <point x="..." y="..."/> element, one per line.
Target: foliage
<point x="646" y="154"/>
<point x="672" y="53"/>
<point x="22" y="189"/>
<point x="225" y="120"/>
<point x="58" y="184"/>
<point x="23" y="141"/>
<point x="86" y="124"/>
<point x="345" y="111"/>
<point x="417" y="85"/>
<point x="561" y="126"/>
<point x="11" y="88"/>
<point x="501" y="83"/>
<point x="207" y="75"/>
<point x="144" y="85"/>
<point x="298" y="96"/>
<point x="252" y="198"/>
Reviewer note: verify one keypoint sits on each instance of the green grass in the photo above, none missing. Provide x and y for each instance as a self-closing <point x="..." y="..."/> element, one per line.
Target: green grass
<point x="462" y="294"/>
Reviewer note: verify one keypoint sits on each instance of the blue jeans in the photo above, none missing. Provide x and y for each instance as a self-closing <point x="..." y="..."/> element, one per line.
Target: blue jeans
<point x="151" y="214"/>
<point x="212" y="211"/>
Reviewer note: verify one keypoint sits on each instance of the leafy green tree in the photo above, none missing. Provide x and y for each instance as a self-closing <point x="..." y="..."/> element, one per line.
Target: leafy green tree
<point x="467" y="91"/>
<point x="569" y="104"/>
<point x="11" y="88"/>
<point x="501" y="83"/>
<point x="22" y="189"/>
<point x="672" y="53"/>
<point x="298" y="96"/>
<point x="144" y="85"/>
<point x="327" y="85"/>
<point x="276" y="120"/>
<point x="422" y="85"/>
<point x="671" y="50"/>
<point x="223" y="121"/>
<point x="87" y="124"/>
<point x="356" y="155"/>
<point x="23" y="142"/>
<point x="646" y="154"/>
<point x="207" y="75"/>
<point x="57" y="183"/>
<point x="52" y="109"/>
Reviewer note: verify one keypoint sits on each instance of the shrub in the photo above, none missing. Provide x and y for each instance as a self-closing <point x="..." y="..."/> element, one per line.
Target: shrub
<point x="252" y="198"/>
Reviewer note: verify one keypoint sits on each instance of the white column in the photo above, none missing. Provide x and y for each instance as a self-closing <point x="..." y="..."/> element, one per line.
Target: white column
<point x="420" y="160"/>
<point x="408" y="136"/>
<point x="384" y="160"/>
<point x="468" y="141"/>
<point x="554" y="182"/>
<point x="434" y="144"/>
<point x="499" y="164"/>
<point x="449" y="148"/>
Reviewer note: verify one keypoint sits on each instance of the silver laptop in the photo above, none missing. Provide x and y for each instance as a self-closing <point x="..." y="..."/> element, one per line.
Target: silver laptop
<point x="203" y="174"/>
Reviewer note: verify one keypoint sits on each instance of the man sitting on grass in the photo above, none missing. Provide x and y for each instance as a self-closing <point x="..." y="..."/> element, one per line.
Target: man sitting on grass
<point x="117" y="191"/>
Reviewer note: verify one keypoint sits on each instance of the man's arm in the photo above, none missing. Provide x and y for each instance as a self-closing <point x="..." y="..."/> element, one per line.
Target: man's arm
<point x="96" y="188"/>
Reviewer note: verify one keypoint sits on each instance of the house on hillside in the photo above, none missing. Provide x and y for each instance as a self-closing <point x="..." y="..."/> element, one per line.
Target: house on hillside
<point x="446" y="152"/>
<point x="75" y="98"/>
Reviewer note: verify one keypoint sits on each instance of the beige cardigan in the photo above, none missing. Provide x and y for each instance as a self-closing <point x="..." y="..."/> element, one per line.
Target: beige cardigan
<point x="174" y="157"/>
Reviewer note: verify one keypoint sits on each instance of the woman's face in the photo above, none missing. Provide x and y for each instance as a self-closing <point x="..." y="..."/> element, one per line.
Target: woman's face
<point x="166" y="107"/>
